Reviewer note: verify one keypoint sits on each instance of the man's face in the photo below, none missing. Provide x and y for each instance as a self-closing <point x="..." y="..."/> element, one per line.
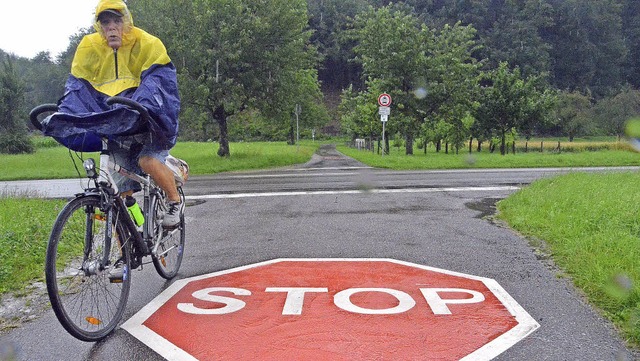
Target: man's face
<point x="112" y="28"/>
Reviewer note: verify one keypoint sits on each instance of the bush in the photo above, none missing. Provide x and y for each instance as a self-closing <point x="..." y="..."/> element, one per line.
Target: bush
<point x="16" y="144"/>
<point x="41" y="142"/>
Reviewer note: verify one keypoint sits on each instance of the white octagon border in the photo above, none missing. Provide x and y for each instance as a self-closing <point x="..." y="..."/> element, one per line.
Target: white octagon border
<point x="526" y="323"/>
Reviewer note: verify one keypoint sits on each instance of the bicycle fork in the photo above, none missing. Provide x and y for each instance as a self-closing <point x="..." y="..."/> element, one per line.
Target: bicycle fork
<point x="92" y="266"/>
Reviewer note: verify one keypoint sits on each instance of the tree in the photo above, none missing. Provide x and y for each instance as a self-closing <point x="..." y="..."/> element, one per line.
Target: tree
<point x="431" y="75"/>
<point x="453" y="88"/>
<point x="329" y="19"/>
<point x="631" y="31"/>
<point x="573" y="114"/>
<point x="13" y="130"/>
<point x="392" y="49"/>
<point x="588" y="49"/>
<point x="43" y="80"/>
<point x="515" y="36"/>
<point x="235" y="55"/>
<point x="511" y="102"/>
<point x="359" y="112"/>
<point x="613" y="112"/>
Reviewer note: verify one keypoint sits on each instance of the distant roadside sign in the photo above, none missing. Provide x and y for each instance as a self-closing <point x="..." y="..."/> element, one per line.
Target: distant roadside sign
<point x="384" y="100"/>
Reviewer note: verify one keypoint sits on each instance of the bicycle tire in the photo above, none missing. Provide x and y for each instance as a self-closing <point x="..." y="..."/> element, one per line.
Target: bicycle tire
<point x="170" y="250"/>
<point x="87" y="299"/>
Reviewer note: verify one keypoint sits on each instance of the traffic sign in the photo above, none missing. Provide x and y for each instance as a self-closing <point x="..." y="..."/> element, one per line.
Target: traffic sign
<point x="384" y="100"/>
<point x="384" y="111"/>
<point x="302" y="309"/>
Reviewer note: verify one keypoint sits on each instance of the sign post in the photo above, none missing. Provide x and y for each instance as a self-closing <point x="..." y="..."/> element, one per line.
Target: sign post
<point x="384" y="100"/>
<point x="298" y="111"/>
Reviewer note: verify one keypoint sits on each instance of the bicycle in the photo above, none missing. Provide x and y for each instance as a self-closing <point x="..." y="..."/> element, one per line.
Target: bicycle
<point x="95" y="244"/>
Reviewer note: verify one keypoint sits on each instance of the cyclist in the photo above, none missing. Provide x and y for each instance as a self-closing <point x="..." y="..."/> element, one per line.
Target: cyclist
<point x="121" y="59"/>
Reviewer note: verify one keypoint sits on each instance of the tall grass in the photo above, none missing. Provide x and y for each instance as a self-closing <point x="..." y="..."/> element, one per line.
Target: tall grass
<point x="593" y="234"/>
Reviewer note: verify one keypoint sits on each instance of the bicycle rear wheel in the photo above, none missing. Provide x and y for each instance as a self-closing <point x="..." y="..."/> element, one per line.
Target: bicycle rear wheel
<point x="168" y="256"/>
<point x="87" y="273"/>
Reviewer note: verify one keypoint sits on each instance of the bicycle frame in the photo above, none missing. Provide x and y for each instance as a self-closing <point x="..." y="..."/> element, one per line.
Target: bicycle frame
<point x="149" y="191"/>
<point x="105" y="182"/>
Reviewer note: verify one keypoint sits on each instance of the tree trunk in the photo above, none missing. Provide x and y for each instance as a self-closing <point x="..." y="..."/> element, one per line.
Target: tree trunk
<point x="409" y="144"/>
<point x="387" y="148"/>
<point x="221" y="117"/>
<point x="292" y="136"/>
<point x="470" y="145"/>
<point x="503" y="148"/>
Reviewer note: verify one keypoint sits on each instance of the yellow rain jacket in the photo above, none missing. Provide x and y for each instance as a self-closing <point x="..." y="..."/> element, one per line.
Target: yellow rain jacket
<point x="112" y="72"/>
<point x="140" y="69"/>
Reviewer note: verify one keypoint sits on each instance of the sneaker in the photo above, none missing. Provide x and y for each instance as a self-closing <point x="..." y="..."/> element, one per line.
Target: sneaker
<point x="172" y="217"/>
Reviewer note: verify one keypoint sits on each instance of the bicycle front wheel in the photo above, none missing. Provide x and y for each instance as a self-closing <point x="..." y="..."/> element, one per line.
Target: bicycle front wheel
<point x="167" y="256"/>
<point x="88" y="272"/>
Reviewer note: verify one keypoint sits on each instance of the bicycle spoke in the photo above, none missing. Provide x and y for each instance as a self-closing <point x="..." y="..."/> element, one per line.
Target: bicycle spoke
<point x="169" y="248"/>
<point x="87" y="299"/>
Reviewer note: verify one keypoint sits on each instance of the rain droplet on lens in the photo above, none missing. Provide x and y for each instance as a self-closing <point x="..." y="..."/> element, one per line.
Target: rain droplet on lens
<point x="420" y="93"/>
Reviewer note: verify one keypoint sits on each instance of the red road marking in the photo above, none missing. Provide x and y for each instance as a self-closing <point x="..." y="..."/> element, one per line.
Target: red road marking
<point x="269" y="318"/>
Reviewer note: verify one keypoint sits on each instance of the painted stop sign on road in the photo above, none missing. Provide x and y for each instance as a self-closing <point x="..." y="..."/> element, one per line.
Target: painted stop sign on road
<point x="332" y="309"/>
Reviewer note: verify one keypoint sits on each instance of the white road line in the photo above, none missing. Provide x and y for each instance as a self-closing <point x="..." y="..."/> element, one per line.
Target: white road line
<point x="285" y="175"/>
<point x="355" y="191"/>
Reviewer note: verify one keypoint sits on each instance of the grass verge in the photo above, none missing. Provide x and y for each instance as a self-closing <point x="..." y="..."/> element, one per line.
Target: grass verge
<point x="25" y="224"/>
<point x="592" y="235"/>
<point x="399" y="161"/>
<point x="56" y="162"/>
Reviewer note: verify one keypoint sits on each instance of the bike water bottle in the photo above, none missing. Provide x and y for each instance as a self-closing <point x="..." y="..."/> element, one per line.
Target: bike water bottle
<point x="134" y="210"/>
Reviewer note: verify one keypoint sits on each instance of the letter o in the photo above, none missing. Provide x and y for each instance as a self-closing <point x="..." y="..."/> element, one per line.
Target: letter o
<point x="342" y="299"/>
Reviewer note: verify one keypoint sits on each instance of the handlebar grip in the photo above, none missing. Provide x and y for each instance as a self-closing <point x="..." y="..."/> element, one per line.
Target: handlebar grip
<point x="33" y="114"/>
<point x="131" y="104"/>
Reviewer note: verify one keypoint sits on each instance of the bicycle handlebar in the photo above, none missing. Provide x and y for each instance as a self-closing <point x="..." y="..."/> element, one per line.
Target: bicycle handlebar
<point x="33" y="114"/>
<point x="144" y="113"/>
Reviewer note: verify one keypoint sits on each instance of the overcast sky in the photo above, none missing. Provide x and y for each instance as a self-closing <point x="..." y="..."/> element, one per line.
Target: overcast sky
<point x="30" y="26"/>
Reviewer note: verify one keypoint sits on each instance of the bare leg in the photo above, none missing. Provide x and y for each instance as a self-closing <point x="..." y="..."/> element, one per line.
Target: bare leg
<point x="162" y="175"/>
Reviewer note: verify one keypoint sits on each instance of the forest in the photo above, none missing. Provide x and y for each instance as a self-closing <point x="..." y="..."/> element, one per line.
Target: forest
<point x="490" y="70"/>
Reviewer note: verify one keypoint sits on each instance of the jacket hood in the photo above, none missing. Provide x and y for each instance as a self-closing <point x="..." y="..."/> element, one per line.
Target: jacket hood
<point x="118" y="5"/>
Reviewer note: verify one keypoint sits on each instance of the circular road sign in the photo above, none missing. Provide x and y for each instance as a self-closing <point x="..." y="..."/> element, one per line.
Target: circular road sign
<point x="332" y="309"/>
<point x="384" y="100"/>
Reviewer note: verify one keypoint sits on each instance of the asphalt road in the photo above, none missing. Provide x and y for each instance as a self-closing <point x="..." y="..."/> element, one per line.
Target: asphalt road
<point x="334" y="207"/>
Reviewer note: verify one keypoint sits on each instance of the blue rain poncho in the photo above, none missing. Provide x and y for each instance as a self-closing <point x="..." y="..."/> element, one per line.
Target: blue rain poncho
<point x="140" y="69"/>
